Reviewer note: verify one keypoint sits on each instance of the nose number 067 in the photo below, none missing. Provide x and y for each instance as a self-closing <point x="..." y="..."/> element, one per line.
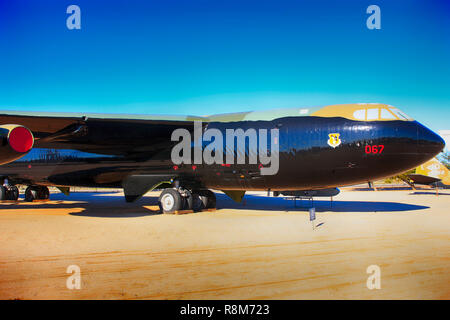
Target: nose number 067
<point x="374" y="148"/>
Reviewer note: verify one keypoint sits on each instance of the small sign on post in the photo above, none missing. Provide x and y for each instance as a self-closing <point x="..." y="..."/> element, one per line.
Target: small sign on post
<point x="312" y="216"/>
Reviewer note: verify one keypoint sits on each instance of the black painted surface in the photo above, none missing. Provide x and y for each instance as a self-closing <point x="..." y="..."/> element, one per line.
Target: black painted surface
<point x="103" y="152"/>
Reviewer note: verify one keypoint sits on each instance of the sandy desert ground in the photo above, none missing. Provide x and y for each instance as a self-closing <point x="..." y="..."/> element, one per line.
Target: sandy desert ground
<point x="265" y="248"/>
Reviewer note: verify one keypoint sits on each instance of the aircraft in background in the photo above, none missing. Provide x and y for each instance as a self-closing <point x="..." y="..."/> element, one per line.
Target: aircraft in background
<point x="316" y="148"/>
<point x="432" y="173"/>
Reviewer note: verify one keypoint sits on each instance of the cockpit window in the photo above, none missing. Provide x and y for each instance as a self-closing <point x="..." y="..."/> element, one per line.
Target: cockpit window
<point x="360" y="114"/>
<point x="400" y="114"/>
<point x="380" y="113"/>
<point x="385" y="114"/>
<point x="372" y="114"/>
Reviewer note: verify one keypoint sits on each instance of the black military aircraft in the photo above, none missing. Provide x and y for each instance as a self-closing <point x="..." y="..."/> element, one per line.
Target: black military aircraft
<point x="304" y="149"/>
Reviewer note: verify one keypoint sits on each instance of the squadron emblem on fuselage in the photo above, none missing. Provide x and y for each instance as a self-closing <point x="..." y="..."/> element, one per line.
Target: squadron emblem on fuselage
<point x="334" y="139"/>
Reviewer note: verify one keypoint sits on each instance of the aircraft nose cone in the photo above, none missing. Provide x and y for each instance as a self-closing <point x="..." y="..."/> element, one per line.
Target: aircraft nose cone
<point x="428" y="142"/>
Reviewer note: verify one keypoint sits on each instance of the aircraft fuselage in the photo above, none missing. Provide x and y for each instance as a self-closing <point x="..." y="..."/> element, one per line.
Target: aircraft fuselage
<point x="309" y="158"/>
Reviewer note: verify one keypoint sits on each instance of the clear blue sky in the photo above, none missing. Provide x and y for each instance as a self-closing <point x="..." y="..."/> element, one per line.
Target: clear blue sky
<point x="211" y="56"/>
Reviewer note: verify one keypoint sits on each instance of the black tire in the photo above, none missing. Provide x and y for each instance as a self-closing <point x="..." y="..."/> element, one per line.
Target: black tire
<point x="211" y="200"/>
<point x="2" y="193"/>
<point x="13" y="193"/>
<point x="170" y="201"/>
<point x="31" y="194"/>
<point x="197" y="203"/>
<point x="43" y="193"/>
<point x="188" y="201"/>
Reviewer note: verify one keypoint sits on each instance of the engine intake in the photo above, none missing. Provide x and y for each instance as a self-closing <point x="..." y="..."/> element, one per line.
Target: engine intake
<point x="16" y="142"/>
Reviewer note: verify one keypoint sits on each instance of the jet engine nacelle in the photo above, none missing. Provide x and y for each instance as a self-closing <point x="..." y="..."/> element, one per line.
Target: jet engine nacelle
<point x="15" y="142"/>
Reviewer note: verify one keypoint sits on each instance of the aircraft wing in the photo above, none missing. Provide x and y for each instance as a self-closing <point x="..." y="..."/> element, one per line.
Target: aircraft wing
<point x="422" y="179"/>
<point x="106" y="134"/>
<point x="432" y="171"/>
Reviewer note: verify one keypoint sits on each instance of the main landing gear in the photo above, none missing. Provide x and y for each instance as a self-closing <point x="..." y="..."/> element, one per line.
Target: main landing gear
<point x="9" y="192"/>
<point x="36" y="193"/>
<point x="174" y="199"/>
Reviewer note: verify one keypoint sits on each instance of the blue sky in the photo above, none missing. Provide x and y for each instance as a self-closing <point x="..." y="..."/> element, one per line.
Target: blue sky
<point x="212" y="56"/>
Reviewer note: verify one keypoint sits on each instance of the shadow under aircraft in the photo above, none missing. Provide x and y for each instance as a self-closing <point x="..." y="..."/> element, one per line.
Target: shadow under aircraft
<point x="105" y="205"/>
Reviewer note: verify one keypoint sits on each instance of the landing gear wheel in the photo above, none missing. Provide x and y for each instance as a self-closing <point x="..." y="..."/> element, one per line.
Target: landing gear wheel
<point x="188" y="200"/>
<point x="197" y="203"/>
<point x="30" y="194"/>
<point x="170" y="201"/>
<point x="2" y="193"/>
<point x="9" y="192"/>
<point x="13" y="193"/>
<point x="36" y="192"/>
<point x="43" y="193"/>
